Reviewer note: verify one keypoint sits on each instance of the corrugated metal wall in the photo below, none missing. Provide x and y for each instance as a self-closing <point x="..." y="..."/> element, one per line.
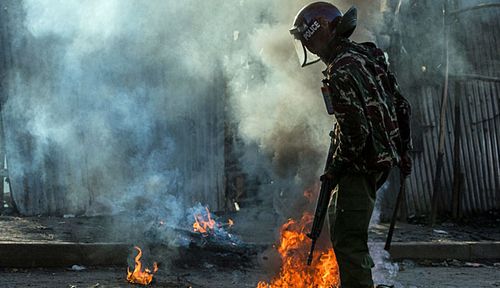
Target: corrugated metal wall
<point x="474" y="83"/>
<point x="479" y="150"/>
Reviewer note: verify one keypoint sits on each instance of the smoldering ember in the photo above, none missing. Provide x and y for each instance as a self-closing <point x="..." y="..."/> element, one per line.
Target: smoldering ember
<point x="250" y="143"/>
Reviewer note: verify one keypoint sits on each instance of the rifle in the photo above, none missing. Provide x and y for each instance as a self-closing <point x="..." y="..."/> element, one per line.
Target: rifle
<point x="327" y="185"/>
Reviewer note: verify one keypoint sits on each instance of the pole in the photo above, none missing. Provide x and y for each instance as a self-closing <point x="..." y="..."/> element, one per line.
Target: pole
<point x="457" y="166"/>
<point x="399" y="199"/>
<point x="442" y="127"/>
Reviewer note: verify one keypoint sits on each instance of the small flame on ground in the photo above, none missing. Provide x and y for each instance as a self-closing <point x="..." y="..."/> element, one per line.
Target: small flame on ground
<point x="206" y="225"/>
<point x="140" y="276"/>
<point x="203" y="223"/>
<point x="293" y="249"/>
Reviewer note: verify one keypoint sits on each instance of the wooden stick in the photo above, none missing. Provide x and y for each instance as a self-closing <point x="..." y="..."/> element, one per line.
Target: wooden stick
<point x="442" y="127"/>
<point x="399" y="199"/>
<point x="2" y="162"/>
<point x="457" y="167"/>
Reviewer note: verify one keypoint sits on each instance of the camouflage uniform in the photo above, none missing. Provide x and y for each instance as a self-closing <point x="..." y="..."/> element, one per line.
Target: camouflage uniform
<point x="372" y="131"/>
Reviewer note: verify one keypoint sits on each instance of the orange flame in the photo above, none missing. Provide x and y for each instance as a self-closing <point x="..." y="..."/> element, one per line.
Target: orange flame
<point x="138" y="276"/>
<point x="205" y="225"/>
<point x="293" y="249"/>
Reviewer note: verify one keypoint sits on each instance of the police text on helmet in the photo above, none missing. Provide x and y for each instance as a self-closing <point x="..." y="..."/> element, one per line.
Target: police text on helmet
<point x="311" y="30"/>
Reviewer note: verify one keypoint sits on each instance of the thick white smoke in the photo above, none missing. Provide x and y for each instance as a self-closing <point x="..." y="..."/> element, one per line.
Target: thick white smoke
<point x="279" y="105"/>
<point x="116" y="100"/>
<point x="105" y="78"/>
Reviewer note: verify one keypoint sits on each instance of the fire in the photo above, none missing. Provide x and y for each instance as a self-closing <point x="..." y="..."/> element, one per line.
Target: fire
<point x="293" y="249"/>
<point x="140" y="276"/>
<point x="205" y="224"/>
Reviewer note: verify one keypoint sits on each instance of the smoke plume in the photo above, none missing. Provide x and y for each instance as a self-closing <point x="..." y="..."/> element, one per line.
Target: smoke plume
<point x="118" y="100"/>
<point x="121" y="105"/>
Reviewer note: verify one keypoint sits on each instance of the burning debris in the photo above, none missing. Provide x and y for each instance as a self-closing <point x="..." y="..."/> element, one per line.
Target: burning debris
<point x="196" y="239"/>
<point x="204" y="224"/>
<point x="209" y="226"/>
<point x="294" y="249"/>
<point x="140" y="275"/>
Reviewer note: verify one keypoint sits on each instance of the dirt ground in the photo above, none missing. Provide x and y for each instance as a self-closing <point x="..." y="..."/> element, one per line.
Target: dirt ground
<point x="114" y="229"/>
<point x="415" y="277"/>
<point x="449" y="277"/>
<point x="116" y="277"/>
<point x="97" y="229"/>
<point x="109" y="229"/>
<point x="483" y="228"/>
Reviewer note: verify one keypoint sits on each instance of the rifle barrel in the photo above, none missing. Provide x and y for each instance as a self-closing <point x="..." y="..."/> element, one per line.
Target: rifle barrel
<point x="310" y="257"/>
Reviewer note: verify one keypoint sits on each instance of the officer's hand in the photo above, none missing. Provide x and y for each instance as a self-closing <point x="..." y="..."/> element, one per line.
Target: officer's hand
<point x="406" y="164"/>
<point x="326" y="176"/>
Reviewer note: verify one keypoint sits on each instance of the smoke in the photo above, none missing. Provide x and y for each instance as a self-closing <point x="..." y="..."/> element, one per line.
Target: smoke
<point x="114" y="99"/>
<point x="117" y="105"/>
<point x="279" y="107"/>
<point x="385" y="271"/>
<point x="113" y="93"/>
<point x="120" y="107"/>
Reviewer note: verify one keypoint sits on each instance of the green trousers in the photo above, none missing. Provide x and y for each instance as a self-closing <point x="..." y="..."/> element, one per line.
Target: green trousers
<point x="349" y="214"/>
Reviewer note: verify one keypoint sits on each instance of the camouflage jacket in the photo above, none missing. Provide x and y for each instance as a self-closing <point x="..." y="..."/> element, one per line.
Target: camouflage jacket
<point x="373" y="118"/>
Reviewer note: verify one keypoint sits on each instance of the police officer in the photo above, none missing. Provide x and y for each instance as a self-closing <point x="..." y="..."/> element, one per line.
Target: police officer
<point x="372" y="131"/>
